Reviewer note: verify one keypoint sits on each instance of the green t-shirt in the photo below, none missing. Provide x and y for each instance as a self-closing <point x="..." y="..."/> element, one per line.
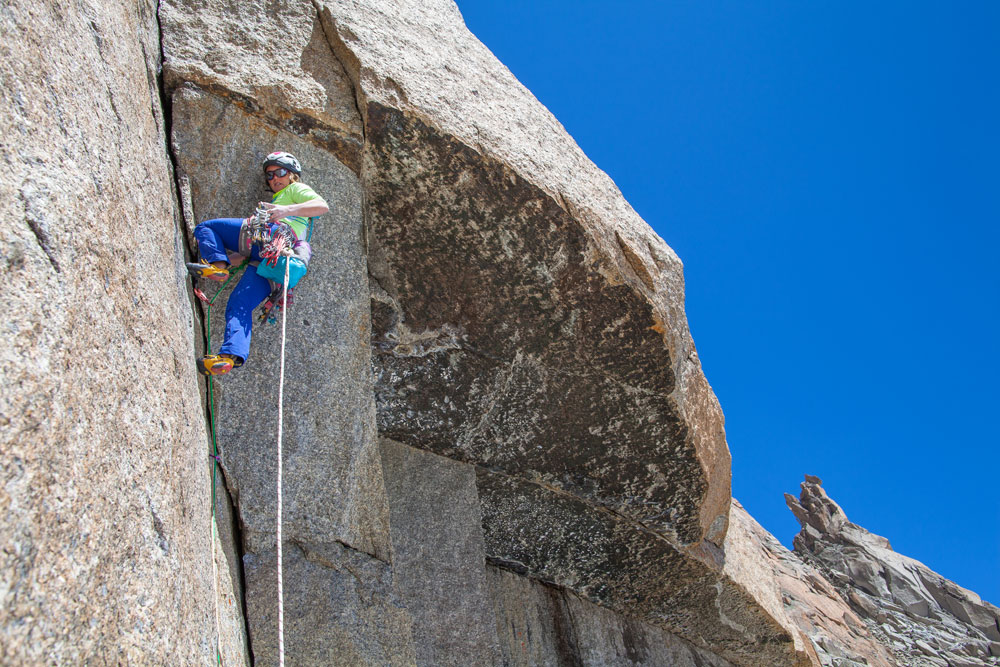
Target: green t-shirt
<point x="295" y="193"/>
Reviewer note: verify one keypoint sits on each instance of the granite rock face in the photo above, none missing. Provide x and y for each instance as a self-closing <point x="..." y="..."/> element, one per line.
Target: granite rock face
<point x="468" y="612"/>
<point x="522" y="319"/>
<point x="327" y="352"/>
<point x="106" y="538"/>
<point x="341" y="608"/>
<point x="499" y="444"/>
<point x="921" y="617"/>
<point x="525" y="320"/>
<point x="564" y="541"/>
<point x="434" y="502"/>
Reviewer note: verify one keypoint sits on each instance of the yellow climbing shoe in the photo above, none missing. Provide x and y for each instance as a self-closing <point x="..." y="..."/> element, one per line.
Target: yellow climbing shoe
<point x="203" y="269"/>
<point x="215" y="364"/>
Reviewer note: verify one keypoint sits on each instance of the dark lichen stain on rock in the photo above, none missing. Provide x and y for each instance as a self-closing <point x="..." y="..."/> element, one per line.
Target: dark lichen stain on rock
<point x="634" y="640"/>
<point x="558" y="376"/>
<point x="618" y="564"/>
<point x="567" y="646"/>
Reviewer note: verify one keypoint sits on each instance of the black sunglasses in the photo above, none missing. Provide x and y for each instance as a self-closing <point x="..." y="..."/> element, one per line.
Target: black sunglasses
<point x="280" y="172"/>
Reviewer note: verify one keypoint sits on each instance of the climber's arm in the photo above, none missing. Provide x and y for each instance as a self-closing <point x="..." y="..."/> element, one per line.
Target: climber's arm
<point x="308" y="209"/>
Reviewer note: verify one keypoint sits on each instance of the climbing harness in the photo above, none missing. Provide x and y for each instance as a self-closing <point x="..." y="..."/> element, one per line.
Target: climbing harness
<point x="284" y="262"/>
<point x="273" y="238"/>
<point x="274" y="260"/>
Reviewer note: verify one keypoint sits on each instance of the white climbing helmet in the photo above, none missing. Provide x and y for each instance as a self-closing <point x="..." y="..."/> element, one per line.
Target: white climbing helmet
<point x="282" y="159"/>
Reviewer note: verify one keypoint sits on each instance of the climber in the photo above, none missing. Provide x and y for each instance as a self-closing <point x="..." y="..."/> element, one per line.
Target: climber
<point x="293" y="203"/>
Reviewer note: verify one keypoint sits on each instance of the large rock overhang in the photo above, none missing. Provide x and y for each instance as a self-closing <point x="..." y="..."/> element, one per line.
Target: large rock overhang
<point x="504" y="336"/>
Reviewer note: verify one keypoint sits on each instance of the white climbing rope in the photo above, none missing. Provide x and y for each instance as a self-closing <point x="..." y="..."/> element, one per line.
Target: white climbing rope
<point x="281" y="385"/>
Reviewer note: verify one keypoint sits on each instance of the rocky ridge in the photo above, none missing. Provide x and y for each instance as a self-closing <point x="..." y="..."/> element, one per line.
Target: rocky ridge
<point x="792" y="590"/>
<point x="921" y="617"/>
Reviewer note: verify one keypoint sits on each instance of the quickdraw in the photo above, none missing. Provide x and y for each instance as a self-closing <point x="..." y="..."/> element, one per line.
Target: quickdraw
<point x="271" y="237"/>
<point x="272" y="251"/>
<point x="258" y="226"/>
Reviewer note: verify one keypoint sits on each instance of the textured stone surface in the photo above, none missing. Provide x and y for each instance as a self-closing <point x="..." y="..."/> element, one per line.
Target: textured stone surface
<point x="438" y="558"/>
<point x="354" y="616"/>
<point x="271" y="60"/>
<point x="105" y="551"/>
<point x="618" y="564"/>
<point x="233" y="645"/>
<point x="503" y="346"/>
<point x="923" y="618"/>
<point x="525" y="317"/>
<point x="799" y="597"/>
<point x="542" y="625"/>
<point x="525" y="321"/>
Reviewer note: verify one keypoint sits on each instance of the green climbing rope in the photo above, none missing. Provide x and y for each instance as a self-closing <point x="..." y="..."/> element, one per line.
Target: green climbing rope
<point x="212" y="425"/>
<point x="211" y="397"/>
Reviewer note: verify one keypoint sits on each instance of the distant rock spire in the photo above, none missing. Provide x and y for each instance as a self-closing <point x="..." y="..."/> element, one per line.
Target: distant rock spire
<point x="922" y="617"/>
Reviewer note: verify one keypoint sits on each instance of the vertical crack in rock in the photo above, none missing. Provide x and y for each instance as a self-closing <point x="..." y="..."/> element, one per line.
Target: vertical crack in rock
<point x="163" y="112"/>
<point x="334" y="491"/>
<point x="568" y="646"/>
<point x="348" y="61"/>
<point x="237" y="572"/>
<point x="166" y="116"/>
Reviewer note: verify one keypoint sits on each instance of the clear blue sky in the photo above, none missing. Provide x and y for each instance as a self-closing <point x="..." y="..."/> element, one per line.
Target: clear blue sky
<point x="828" y="173"/>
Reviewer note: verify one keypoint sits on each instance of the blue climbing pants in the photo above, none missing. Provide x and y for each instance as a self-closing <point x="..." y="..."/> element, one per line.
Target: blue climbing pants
<point x="214" y="238"/>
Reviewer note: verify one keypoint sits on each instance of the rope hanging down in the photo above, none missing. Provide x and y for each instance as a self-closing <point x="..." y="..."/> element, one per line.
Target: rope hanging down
<point x="281" y="386"/>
